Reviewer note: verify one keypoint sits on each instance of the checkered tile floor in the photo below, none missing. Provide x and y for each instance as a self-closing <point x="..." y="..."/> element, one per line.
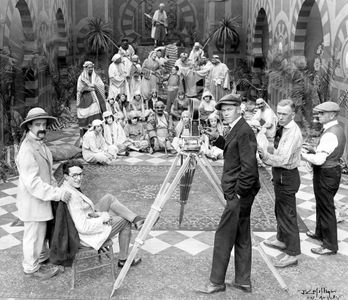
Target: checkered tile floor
<point x="191" y="242"/>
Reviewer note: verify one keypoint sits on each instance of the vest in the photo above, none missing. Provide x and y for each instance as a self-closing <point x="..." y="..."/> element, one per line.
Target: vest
<point x="333" y="159"/>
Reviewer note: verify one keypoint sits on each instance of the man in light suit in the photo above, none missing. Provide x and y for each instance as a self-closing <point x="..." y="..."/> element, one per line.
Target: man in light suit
<point x="97" y="223"/>
<point x="37" y="187"/>
<point x="240" y="184"/>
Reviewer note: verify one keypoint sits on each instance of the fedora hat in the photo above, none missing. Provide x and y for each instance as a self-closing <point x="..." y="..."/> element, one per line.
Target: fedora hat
<point x="231" y="99"/>
<point x="37" y="113"/>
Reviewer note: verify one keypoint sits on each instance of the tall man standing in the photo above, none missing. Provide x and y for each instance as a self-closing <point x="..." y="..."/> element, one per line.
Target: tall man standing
<point x="36" y="189"/>
<point x="326" y="177"/>
<point x="218" y="79"/>
<point x="159" y="26"/>
<point x="240" y="184"/>
<point x="285" y="160"/>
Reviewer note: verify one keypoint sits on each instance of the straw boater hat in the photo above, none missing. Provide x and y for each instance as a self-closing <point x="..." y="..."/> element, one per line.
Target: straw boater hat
<point x="231" y="99"/>
<point x="37" y="113"/>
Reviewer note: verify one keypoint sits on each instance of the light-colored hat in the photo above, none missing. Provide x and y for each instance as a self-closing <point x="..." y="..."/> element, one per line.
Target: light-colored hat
<point x="37" y="113"/>
<point x="197" y="44"/>
<point x="133" y="114"/>
<point x="328" y="106"/>
<point x="95" y="123"/>
<point x="116" y="57"/>
<point x="107" y="114"/>
<point x="260" y="101"/>
<point x="207" y="94"/>
<point x="213" y="116"/>
<point x="231" y="99"/>
<point x="87" y="64"/>
<point x="216" y="56"/>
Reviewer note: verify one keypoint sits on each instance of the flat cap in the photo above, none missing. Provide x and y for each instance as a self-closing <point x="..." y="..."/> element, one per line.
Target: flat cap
<point x="327" y="107"/>
<point x="231" y="99"/>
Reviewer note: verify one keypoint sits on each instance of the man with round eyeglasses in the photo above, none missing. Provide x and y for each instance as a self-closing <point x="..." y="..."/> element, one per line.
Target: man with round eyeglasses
<point x="95" y="223"/>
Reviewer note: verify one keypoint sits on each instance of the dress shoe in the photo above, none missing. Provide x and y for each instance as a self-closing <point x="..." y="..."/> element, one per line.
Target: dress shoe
<point x="138" y="222"/>
<point x="246" y="288"/>
<point x="211" y="288"/>
<point x="286" y="261"/>
<point x="135" y="262"/>
<point x="312" y="235"/>
<point x="44" y="273"/>
<point x="323" y="251"/>
<point x="275" y="244"/>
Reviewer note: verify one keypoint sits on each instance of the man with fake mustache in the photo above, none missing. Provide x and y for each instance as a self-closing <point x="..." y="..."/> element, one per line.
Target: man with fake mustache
<point x="37" y="187"/>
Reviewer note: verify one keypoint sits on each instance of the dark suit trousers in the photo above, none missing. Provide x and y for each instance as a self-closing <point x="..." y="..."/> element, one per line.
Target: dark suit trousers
<point x="286" y="185"/>
<point x="326" y="182"/>
<point x="233" y="230"/>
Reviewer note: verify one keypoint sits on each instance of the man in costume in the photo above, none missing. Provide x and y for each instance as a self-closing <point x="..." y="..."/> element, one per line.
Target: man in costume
<point x="37" y="187"/>
<point x="118" y="77"/>
<point x="90" y="98"/>
<point x="218" y="79"/>
<point x="159" y="26"/>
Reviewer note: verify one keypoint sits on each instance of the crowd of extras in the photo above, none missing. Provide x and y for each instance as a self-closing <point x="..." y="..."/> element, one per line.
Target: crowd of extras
<point x="146" y="107"/>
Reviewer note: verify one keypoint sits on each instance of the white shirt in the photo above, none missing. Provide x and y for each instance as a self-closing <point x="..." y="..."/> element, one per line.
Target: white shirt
<point x="288" y="153"/>
<point x="327" y="144"/>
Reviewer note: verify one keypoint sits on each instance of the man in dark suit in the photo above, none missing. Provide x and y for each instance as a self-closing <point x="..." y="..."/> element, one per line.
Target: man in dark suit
<point x="240" y="184"/>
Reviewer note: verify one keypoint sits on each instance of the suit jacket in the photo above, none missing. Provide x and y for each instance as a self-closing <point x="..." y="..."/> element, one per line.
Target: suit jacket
<point x="37" y="186"/>
<point x="63" y="236"/>
<point x="240" y="172"/>
<point x="92" y="231"/>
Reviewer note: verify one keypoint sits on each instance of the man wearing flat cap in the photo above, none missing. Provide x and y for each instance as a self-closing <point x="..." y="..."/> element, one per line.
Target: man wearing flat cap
<point x="37" y="187"/>
<point x="240" y="184"/>
<point x="326" y="177"/>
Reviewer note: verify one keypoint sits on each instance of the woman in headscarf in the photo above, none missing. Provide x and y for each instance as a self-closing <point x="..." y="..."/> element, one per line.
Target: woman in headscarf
<point x="90" y="98"/>
<point x="151" y="71"/>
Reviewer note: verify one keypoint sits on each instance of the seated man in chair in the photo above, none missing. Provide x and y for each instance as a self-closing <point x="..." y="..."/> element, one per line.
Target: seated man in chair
<point x="97" y="223"/>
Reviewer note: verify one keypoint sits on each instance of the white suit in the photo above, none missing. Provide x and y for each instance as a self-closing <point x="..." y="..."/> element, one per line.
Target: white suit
<point x="36" y="189"/>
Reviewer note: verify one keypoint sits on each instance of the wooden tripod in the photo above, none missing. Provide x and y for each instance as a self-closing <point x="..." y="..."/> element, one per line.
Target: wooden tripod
<point x="165" y="193"/>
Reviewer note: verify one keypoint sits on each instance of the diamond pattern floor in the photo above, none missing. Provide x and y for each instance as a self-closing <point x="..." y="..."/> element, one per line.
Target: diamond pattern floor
<point x="190" y="242"/>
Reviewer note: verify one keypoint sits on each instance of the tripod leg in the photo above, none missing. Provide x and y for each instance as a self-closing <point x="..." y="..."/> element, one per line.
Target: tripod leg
<point x="211" y="180"/>
<point x="166" y="191"/>
<point x="212" y="172"/>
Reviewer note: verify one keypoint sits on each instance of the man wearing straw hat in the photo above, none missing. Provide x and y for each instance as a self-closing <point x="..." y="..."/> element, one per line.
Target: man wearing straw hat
<point x="37" y="187"/>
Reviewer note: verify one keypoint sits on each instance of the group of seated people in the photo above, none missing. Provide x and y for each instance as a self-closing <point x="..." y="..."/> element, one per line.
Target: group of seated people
<point x="146" y="126"/>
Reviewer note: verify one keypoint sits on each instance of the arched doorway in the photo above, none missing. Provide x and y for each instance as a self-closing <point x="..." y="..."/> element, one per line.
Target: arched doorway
<point x="308" y="56"/>
<point x="260" y="50"/>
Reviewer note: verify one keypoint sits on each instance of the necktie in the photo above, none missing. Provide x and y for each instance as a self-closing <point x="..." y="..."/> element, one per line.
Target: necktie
<point x="278" y="135"/>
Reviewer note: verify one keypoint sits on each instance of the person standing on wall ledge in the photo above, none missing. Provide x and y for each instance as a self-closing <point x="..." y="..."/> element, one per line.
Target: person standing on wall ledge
<point x="159" y="26"/>
<point x="326" y="176"/>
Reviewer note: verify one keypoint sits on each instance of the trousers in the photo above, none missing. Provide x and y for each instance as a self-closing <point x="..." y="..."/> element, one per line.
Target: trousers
<point x="233" y="230"/>
<point x="286" y="185"/>
<point x="326" y="182"/>
<point x="34" y="246"/>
